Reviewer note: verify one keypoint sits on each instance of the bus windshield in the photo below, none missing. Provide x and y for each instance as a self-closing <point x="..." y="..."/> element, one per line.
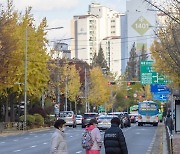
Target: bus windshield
<point x="148" y="108"/>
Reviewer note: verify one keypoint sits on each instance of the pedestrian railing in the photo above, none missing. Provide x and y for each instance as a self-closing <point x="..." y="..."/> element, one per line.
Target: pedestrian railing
<point x="10" y="126"/>
<point x="169" y="140"/>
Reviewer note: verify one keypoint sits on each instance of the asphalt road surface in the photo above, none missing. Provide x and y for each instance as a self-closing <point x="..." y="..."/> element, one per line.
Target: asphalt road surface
<point x="139" y="140"/>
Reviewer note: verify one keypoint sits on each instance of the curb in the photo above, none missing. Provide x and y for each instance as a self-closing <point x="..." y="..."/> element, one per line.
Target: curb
<point x="12" y="133"/>
<point x="165" y="149"/>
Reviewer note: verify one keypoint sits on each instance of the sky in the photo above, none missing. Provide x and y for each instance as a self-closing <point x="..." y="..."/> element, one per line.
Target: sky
<point x="60" y="12"/>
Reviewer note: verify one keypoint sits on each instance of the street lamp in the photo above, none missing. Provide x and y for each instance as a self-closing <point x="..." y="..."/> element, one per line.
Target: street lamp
<point x="25" y="71"/>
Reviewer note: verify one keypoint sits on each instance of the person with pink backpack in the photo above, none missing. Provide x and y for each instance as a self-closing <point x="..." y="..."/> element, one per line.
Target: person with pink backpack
<point x="91" y="140"/>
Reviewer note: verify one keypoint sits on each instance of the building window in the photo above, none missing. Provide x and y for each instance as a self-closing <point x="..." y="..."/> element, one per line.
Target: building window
<point x="112" y="26"/>
<point x="112" y="32"/>
<point x="112" y="20"/>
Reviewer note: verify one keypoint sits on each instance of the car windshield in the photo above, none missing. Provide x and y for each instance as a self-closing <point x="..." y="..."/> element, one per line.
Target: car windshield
<point x="65" y="114"/>
<point x="78" y="116"/>
<point x="90" y="115"/>
<point x="106" y="117"/>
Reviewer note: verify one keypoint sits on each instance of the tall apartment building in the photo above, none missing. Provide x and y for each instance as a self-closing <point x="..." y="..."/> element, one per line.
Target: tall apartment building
<point x="139" y="22"/>
<point x="95" y="28"/>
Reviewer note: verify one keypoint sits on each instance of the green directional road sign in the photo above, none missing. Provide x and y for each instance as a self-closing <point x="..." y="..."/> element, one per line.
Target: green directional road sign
<point x="149" y="76"/>
<point x="146" y="72"/>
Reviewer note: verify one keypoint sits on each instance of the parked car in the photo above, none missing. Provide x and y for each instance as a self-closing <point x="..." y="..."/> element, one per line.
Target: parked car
<point x="87" y="117"/>
<point x="69" y="117"/>
<point x="78" y="119"/>
<point x="104" y="121"/>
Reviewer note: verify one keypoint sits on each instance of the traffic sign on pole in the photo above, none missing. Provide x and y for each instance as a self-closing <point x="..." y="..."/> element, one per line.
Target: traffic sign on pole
<point x="159" y="88"/>
<point x="149" y="76"/>
<point x="161" y="97"/>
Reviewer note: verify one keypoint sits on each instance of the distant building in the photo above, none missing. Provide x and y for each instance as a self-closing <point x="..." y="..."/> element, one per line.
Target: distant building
<point x="137" y="25"/>
<point x="100" y="26"/>
<point x="112" y="52"/>
<point x="61" y="50"/>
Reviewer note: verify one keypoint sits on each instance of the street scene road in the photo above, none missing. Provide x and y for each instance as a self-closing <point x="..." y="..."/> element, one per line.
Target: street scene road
<point x="138" y="141"/>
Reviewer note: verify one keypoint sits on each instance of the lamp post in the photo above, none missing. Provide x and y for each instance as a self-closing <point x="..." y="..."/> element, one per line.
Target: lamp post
<point x="25" y="77"/>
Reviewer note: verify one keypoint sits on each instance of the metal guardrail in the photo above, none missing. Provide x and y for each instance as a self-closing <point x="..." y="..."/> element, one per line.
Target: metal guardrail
<point x="169" y="140"/>
<point x="5" y="126"/>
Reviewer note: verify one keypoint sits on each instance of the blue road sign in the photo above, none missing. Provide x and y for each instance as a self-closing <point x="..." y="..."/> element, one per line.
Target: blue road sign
<point x="161" y="97"/>
<point x="160" y="88"/>
<point x="56" y="111"/>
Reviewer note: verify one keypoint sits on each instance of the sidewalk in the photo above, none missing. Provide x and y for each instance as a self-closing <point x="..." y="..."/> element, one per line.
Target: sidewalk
<point x="158" y="146"/>
<point x="18" y="132"/>
<point x="176" y="143"/>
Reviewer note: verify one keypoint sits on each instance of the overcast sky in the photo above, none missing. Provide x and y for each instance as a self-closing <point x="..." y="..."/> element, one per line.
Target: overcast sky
<point x="60" y="12"/>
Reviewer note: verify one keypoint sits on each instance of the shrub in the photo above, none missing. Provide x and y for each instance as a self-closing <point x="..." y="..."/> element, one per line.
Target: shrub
<point x="37" y="109"/>
<point x="30" y="120"/>
<point x="39" y="120"/>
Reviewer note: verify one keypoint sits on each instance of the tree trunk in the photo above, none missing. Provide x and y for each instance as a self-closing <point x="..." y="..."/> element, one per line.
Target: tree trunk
<point x="75" y="107"/>
<point x="12" y="111"/>
<point x="6" y="111"/>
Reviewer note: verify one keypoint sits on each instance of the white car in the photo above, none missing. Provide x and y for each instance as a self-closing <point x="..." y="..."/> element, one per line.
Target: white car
<point x="104" y="121"/>
<point x="78" y="119"/>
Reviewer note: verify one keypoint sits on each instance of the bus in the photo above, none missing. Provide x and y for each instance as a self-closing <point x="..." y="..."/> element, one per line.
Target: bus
<point x="148" y="113"/>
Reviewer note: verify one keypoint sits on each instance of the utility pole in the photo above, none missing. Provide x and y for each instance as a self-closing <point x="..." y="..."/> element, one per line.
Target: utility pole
<point x="25" y="76"/>
<point x="85" y="90"/>
<point x="66" y="94"/>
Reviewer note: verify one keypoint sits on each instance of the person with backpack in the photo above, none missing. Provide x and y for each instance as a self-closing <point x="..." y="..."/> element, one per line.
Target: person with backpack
<point x="58" y="141"/>
<point x="91" y="140"/>
<point x="114" y="141"/>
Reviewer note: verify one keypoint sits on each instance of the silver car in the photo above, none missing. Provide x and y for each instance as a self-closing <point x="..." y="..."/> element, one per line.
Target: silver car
<point x="69" y="117"/>
<point x="78" y="119"/>
<point x="104" y="121"/>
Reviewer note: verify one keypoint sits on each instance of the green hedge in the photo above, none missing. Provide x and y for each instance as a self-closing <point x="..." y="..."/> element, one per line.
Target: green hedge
<point x="30" y="120"/>
<point x="39" y="120"/>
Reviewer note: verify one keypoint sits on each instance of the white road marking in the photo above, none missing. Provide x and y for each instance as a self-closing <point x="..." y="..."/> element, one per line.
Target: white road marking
<point x="44" y="143"/>
<point x="15" y="140"/>
<point x="16" y="150"/>
<point x="35" y="136"/>
<point x="79" y="152"/>
<point x="2" y="142"/>
<point x="33" y="146"/>
<point x="26" y="138"/>
<point x="71" y="136"/>
<point x="138" y="133"/>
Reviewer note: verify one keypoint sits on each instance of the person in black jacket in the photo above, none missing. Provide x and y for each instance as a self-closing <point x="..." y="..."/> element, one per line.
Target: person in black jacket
<point x="169" y="123"/>
<point x="114" y="141"/>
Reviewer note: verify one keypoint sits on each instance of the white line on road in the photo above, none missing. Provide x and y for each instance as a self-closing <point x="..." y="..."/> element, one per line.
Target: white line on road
<point x="26" y="138"/>
<point x="2" y="142"/>
<point x="35" y="136"/>
<point x="79" y="152"/>
<point x="33" y="146"/>
<point x="15" y="140"/>
<point x="44" y="143"/>
<point x="71" y="136"/>
<point x="17" y="151"/>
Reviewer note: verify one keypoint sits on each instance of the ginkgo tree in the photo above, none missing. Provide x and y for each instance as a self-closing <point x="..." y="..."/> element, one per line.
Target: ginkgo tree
<point x="99" y="92"/>
<point x="70" y="82"/>
<point x="13" y="26"/>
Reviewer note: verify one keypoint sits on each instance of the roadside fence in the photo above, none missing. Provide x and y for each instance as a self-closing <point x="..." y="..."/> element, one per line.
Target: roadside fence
<point x="169" y="140"/>
<point x="6" y="126"/>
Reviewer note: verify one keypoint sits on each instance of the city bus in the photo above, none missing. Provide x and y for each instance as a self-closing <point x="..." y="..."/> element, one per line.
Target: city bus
<point x="148" y="113"/>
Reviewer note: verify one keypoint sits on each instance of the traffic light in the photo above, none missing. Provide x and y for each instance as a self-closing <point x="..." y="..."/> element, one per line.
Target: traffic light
<point x="111" y="83"/>
<point x="130" y="83"/>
